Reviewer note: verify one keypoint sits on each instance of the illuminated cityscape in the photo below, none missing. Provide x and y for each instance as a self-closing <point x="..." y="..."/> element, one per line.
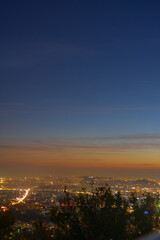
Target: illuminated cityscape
<point x="33" y="198"/>
<point x="79" y="119"/>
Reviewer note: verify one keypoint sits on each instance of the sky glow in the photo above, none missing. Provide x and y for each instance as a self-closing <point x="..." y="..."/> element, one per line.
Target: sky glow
<point x="80" y="87"/>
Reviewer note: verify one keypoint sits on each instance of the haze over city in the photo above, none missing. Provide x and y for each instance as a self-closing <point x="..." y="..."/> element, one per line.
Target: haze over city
<point x="79" y="88"/>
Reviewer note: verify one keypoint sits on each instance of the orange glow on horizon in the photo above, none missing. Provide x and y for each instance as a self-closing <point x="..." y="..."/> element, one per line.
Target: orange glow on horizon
<point x="80" y="158"/>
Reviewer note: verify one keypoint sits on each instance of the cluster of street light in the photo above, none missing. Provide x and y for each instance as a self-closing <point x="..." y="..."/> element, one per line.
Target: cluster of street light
<point x="20" y="200"/>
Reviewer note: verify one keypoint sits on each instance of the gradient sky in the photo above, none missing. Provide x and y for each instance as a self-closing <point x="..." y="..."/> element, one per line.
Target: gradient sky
<point x="80" y="87"/>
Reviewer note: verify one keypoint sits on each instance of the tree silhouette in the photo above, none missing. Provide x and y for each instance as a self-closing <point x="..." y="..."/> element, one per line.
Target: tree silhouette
<point x="142" y="217"/>
<point x="103" y="216"/>
<point x="7" y="219"/>
<point x="99" y="215"/>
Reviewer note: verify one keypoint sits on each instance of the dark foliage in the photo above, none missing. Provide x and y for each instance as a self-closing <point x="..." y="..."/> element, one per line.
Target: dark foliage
<point x="102" y="216"/>
<point x="6" y="221"/>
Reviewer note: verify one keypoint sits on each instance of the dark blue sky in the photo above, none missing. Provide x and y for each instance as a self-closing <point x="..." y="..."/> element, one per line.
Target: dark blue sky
<point x="79" y="69"/>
